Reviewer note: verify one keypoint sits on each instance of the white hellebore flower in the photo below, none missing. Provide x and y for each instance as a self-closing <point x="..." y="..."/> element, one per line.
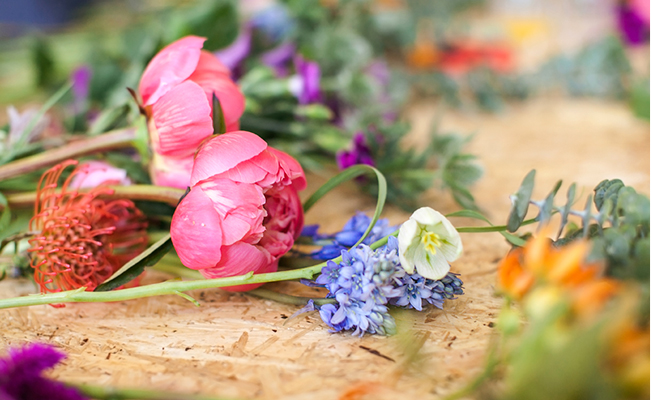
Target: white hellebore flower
<point x="428" y="242"/>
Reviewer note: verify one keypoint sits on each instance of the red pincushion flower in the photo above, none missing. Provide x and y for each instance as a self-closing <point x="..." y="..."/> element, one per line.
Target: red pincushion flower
<point x="83" y="239"/>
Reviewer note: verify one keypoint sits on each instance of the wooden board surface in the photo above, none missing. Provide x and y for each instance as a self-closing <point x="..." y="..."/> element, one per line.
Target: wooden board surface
<point x="240" y="346"/>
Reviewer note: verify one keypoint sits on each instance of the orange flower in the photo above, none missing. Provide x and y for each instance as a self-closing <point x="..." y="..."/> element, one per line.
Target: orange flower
<point x="539" y="263"/>
<point x="82" y="238"/>
<point x="512" y="278"/>
<point x="423" y="55"/>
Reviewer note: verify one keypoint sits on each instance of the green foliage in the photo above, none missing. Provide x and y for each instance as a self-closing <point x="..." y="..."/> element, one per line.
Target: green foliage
<point x="410" y="172"/>
<point x="640" y="102"/>
<point x="136" y="266"/>
<point x="618" y="229"/>
<point x="43" y="61"/>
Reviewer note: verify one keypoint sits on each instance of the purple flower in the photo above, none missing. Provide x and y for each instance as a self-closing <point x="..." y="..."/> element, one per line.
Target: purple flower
<point x="349" y="235"/>
<point x="20" y="375"/>
<point x="334" y="276"/>
<point x="305" y="85"/>
<point x="360" y="154"/>
<point x="278" y="58"/>
<point x="80" y="85"/>
<point x="416" y="290"/>
<point x="233" y="55"/>
<point x="633" y="27"/>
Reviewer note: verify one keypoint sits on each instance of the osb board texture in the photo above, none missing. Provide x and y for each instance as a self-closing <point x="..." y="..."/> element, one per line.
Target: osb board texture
<point x="236" y="345"/>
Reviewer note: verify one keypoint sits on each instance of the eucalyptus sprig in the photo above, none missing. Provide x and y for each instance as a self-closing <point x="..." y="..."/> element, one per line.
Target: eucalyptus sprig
<point x="615" y="218"/>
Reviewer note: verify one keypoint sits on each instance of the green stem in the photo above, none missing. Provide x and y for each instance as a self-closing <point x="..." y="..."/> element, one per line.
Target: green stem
<point x="107" y="141"/>
<point x="288" y="298"/>
<point x="111" y="393"/>
<point x="171" y="287"/>
<point x="162" y="194"/>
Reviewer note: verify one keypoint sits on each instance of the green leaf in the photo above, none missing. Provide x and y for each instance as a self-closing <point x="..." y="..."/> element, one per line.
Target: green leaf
<point x="607" y="189"/>
<point x="520" y="202"/>
<point x="215" y="20"/>
<point x="565" y="212"/>
<point x="22" y="142"/>
<point x="135" y="267"/>
<point x="5" y="215"/>
<point x="43" y="62"/>
<point x="346" y="175"/>
<point x="218" y="122"/>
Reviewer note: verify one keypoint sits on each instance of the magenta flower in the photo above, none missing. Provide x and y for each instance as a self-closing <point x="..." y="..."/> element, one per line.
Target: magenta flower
<point x="278" y="58"/>
<point x="243" y="211"/>
<point x="233" y="55"/>
<point x="360" y="153"/>
<point x="95" y="173"/>
<point x="305" y="85"/>
<point x="20" y="375"/>
<point x="80" y="86"/>
<point x="633" y="22"/>
<point x="177" y="89"/>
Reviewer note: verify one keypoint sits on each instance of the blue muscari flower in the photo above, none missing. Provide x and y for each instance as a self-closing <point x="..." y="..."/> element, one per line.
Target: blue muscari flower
<point x="349" y="235"/>
<point x="367" y="280"/>
<point x="416" y="290"/>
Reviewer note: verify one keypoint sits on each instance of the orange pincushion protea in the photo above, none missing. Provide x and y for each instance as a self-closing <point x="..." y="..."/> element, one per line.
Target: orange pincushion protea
<point x="82" y="239"/>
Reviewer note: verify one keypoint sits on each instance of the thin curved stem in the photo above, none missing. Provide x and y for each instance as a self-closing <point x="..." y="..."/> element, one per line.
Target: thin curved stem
<point x="107" y="141"/>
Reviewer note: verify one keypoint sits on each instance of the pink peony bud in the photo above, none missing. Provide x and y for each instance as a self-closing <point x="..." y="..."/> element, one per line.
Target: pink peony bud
<point x="92" y="174"/>
<point x="243" y="211"/>
<point x="177" y="89"/>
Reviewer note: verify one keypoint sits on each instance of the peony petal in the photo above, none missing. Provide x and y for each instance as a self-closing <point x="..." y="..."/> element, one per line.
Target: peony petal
<point x="94" y="173"/>
<point x="223" y="152"/>
<point x="209" y="67"/>
<point x="171" y="171"/>
<point x="291" y="167"/>
<point x="182" y="121"/>
<point x="239" y="259"/>
<point x="261" y="169"/>
<point x="432" y="266"/>
<point x="230" y="97"/>
<point x="240" y="207"/>
<point x="196" y="231"/>
<point x="171" y="66"/>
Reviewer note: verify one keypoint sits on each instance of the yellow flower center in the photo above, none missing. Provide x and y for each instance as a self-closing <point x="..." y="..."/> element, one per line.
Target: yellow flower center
<point x="431" y="241"/>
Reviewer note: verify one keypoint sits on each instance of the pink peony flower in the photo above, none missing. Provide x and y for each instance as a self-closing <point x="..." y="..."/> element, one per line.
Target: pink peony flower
<point x="91" y="174"/>
<point x="177" y="88"/>
<point x="243" y="211"/>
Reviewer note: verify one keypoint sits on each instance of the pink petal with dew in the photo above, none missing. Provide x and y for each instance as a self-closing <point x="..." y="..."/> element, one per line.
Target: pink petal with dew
<point x="196" y="231"/>
<point x="240" y="208"/>
<point x="230" y="97"/>
<point x="171" y="66"/>
<point x="291" y="167"/>
<point x="94" y="173"/>
<point x="223" y="152"/>
<point x="182" y="120"/>
<point x="171" y="171"/>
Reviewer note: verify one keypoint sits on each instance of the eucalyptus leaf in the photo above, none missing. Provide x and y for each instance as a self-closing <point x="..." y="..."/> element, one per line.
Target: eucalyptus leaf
<point x="520" y="202"/>
<point x="135" y="267"/>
